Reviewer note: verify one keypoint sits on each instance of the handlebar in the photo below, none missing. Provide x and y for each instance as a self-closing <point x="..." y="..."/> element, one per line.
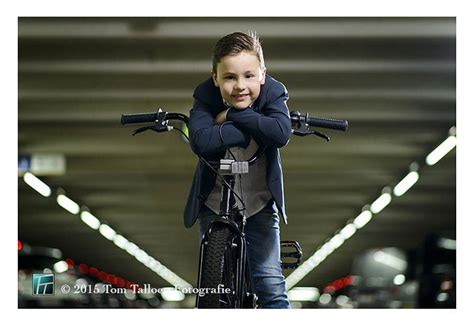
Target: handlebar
<point x="295" y="116"/>
<point x="128" y="119"/>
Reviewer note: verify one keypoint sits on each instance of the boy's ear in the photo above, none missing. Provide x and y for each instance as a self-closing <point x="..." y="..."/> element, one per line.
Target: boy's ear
<point x="214" y="78"/>
<point x="264" y="73"/>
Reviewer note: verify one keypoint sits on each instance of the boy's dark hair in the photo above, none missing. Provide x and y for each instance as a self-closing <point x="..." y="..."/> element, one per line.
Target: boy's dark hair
<point x="233" y="44"/>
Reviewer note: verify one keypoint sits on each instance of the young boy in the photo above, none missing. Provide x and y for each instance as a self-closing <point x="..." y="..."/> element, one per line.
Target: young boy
<point x="248" y="108"/>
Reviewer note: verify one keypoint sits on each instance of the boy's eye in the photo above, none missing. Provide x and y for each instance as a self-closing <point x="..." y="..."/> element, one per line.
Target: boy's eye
<point x="250" y="76"/>
<point x="229" y="77"/>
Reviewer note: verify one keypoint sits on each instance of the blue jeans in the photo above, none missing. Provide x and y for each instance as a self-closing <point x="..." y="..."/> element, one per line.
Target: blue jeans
<point x="263" y="249"/>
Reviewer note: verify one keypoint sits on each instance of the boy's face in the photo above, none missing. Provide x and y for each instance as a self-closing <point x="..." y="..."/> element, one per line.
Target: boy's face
<point x="239" y="78"/>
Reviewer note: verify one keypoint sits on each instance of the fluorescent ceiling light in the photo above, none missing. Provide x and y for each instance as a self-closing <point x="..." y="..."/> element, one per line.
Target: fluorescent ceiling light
<point x="399" y="279"/>
<point x="107" y="231"/>
<point x="303" y="294"/>
<point x="90" y="220"/>
<point x="172" y="278"/>
<point x="342" y="300"/>
<point x="380" y="203"/>
<point x="157" y="267"/>
<point x="37" y="184"/>
<point x="406" y="183"/>
<point x="390" y="260"/>
<point x="68" y="204"/>
<point x="448" y="244"/>
<point x="152" y="263"/>
<point x="171" y="294"/>
<point x="440" y="151"/>
<point x="326" y="250"/>
<point x="325" y="298"/>
<point x="348" y="231"/>
<point x="131" y="248"/>
<point x="362" y="219"/>
<point x="299" y="273"/>
<point x="336" y="241"/>
<point x="120" y="241"/>
<point x="142" y="256"/>
<point x="130" y="295"/>
<point x="317" y="258"/>
<point x="61" y="266"/>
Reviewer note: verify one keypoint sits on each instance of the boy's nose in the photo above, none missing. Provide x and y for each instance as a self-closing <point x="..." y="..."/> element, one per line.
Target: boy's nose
<point x="240" y="84"/>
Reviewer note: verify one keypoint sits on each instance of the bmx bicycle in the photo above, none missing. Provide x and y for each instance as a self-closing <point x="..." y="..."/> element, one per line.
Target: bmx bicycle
<point x="223" y="261"/>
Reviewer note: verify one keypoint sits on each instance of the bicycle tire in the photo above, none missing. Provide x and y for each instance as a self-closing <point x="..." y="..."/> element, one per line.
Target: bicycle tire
<point x="213" y="266"/>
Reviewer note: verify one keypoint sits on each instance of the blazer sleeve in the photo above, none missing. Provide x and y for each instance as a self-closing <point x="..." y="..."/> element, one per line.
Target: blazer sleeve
<point x="273" y="126"/>
<point x="204" y="133"/>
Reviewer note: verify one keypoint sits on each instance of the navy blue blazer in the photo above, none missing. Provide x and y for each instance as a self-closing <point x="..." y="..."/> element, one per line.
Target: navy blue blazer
<point x="268" y="122"/>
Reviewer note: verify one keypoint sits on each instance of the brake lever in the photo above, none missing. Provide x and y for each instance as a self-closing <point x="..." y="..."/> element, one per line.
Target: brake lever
<point x="303" y="131"/>
<point x="154" y="127"/>
<point x="320" y="134"/>
<point x="161" y="125"/>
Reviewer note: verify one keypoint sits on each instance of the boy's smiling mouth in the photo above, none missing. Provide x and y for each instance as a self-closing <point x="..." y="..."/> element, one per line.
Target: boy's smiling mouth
<point x="240" y="96"/>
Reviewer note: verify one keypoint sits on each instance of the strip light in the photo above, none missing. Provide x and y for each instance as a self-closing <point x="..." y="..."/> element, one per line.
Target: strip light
<point x="336" y="241"/>
<point x="362" y="219"/>
<point x="37" y="184"/>
<point x="92" y="221"/>
<point x="120" y="241"/>
<point x="303" y="294"/>
<point x="348" y="231"/>
<point x="131" y="248"/>
<point x="406" y="183"/>
<point x="171" y="294"/>
<point x="107" y="231"/>
<point x="68" y="204"/>
<point x="380" y="203"/>
<point x="367" y="214"/>
<point x="441" y="150"/>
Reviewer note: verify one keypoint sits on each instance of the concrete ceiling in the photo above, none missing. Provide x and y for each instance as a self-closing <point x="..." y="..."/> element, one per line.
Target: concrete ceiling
<point x="394" y="79"/>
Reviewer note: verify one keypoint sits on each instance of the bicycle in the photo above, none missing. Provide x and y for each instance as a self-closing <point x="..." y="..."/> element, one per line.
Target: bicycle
<point x="223" y="261"/>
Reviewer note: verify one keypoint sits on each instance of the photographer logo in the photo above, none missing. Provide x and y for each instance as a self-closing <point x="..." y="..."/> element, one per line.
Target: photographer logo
<point x="43" y="284"/>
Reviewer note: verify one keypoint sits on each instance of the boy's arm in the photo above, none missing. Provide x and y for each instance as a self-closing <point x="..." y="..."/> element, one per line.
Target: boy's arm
<point x="204" y="133"/>
<point x="272" y="128"/>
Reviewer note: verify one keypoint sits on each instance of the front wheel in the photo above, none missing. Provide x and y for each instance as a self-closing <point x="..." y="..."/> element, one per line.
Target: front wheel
<point x="215" y="276"/>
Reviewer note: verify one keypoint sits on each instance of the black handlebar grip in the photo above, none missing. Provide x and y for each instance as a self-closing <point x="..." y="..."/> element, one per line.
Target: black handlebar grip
<point x="328" y="123"/>
<point x="138" y="118"/>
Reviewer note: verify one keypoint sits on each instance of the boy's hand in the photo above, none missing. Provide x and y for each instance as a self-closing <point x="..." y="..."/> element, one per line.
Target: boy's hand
<point x="221" y="117"/>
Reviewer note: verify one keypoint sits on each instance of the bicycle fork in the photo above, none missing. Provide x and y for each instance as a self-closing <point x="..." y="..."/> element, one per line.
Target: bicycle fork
<point x="237" y="270"/>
